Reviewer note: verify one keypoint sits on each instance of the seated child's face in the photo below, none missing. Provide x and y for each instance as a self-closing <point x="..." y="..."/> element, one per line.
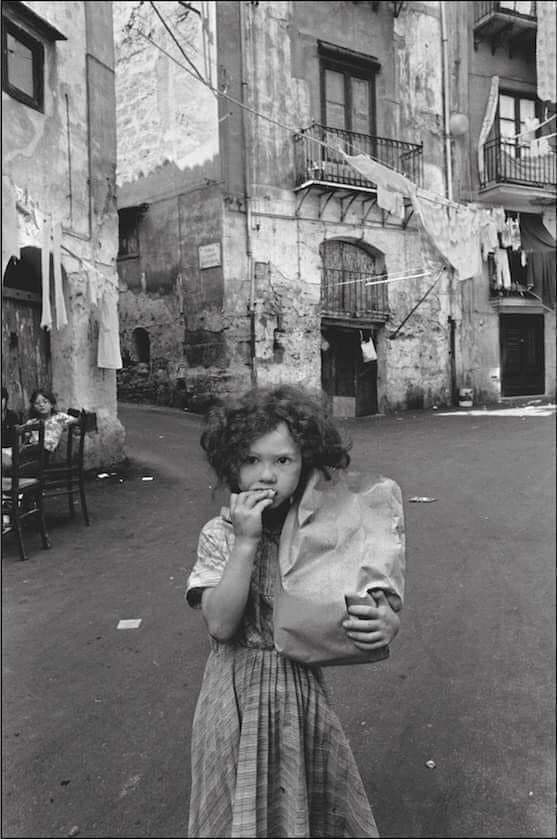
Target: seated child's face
<point x="274" y="461"/>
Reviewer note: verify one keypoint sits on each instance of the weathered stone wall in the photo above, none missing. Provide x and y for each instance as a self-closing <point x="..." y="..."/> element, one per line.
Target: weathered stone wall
<point x="74" y="182"/>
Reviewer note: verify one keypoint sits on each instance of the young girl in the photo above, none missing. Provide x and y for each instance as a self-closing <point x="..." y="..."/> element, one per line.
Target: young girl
<point x="43" y="406"/>
<point x="269" y="756"/>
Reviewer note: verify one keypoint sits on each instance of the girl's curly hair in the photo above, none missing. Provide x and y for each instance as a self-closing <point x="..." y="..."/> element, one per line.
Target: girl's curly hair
<point x="232" y="427"/>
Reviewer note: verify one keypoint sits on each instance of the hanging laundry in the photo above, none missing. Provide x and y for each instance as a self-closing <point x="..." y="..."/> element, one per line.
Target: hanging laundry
<point x="523" y="258"/>
<point x="515" y="234"/>
<point x="46" y="312"/>
<point x="489" y="240"/>
<point x="502" y="268"/>
<point x="108" y="351"/>
<point x="28" y="226"/>
<point x="390" y="201"/>
<point x="499" y="218"/>
<point x="9" y="223"/>
<point x="59" y="302"/>
<point x="506" y="236"/>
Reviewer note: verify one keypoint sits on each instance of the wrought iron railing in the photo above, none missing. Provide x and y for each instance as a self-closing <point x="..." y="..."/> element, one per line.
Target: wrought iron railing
<point x="505" y="161"/>
<point x="520" y="9"/>
<point x="352" y="294"/>
<point x="318" y="158"/>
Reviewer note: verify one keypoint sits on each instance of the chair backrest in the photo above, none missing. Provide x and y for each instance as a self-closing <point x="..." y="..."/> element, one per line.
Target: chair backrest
<point x="28" y="453"/>
<point x="75" y="433"/>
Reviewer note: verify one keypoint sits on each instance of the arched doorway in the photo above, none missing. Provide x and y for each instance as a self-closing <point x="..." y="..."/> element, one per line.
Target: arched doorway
<point x="352" y="311"/>
<point x="26" y="357"/>
<point x="142" y="345"/>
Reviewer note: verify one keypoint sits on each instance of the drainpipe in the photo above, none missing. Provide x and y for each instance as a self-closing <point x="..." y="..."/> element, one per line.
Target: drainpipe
<point x="446" y="101"/>
<point x="449" y="187"/>
<point x="247" y="152"/>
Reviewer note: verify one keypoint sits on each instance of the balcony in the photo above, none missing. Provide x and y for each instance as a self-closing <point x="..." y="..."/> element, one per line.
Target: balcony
<point x="345" y="295"/>
<point x="510" y="23"/>
<point x="515" y="174"/>
<point x="321" y="165"/>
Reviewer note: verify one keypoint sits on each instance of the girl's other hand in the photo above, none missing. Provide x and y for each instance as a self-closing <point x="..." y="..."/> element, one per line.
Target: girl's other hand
<point x="374" y="626"/>
<point x="246" y="509"/>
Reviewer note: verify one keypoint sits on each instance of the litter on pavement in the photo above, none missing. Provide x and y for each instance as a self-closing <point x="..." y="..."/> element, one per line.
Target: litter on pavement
<point x="129" y="623"/>
<point x="147" y="478"/>
<point x="430" y="764"/>
<point x="422" y="499"/>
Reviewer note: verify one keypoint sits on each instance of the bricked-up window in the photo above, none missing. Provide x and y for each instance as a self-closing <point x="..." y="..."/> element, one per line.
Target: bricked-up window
<point x="22" y="66"/>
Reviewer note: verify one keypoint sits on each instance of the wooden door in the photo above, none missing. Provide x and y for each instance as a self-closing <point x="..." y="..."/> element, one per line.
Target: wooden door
<point x="522" y="355"/>
<point x="26" y="362"/>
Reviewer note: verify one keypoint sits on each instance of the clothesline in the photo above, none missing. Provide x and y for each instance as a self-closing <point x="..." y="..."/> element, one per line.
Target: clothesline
<point x="376" y="281"/>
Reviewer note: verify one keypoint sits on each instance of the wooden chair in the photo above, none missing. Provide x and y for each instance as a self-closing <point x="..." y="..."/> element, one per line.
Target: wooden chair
<point x="64" y="473"/>
<point x="22" y="486"/>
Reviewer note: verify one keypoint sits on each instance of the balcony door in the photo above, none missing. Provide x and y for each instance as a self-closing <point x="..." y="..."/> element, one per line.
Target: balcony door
<point x="348" y="98"/>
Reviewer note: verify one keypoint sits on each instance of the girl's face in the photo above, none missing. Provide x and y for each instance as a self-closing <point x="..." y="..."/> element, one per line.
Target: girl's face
<point x="274" y="461"/>
<point x="42" y="406"/>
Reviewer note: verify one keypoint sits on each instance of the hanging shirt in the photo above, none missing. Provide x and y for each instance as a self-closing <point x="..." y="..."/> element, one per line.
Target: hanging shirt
<point x="108" y="351"/>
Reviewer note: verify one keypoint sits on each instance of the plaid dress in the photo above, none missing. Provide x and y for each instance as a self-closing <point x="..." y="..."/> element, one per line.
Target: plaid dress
<point x="269" y="756"/>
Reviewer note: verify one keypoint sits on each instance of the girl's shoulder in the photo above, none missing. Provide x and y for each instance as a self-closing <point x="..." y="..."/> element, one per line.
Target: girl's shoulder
<point x="219" y="529"/>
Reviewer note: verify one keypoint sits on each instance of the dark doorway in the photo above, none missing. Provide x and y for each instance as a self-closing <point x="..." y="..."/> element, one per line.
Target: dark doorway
<point x="350" y="383"/>
<point x="522" y="355"/>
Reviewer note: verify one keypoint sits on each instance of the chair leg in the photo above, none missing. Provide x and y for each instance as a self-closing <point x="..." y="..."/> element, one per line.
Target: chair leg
<point x="19" y="534"/>
<point x="83" y="503"/>
<point x="71" y="501"/>
<point x="42" y="524"/>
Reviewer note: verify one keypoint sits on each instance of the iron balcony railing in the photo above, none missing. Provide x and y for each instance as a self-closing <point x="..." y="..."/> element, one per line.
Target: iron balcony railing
<point x="318" y="159"/>
<point x="347" y="294"/>
<point x="519" y="8"/>
<point x="505" y="161"/>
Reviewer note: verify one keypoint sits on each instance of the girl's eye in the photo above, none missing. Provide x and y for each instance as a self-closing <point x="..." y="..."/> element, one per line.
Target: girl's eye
<point x="251" y="459"/>
<point x="283" y="460"/>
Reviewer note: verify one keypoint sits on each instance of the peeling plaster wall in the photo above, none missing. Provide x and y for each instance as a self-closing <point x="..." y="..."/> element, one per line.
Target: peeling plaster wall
<point x="168" y="143"/>
<point x="37" y="158"/>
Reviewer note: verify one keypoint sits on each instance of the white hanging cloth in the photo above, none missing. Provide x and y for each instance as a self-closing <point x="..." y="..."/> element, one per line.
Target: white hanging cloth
<point x="59" y="302"/>
<point x="490" y="111"/>
<point x="108" y="351"/>
<point x="46" y="312"/>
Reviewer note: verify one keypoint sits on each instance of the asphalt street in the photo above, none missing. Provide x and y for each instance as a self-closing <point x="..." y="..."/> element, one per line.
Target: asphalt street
<point x="454" y="734"/>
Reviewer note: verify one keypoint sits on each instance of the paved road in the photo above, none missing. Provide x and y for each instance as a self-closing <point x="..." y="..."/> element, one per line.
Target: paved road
<point x="96" y="720"/>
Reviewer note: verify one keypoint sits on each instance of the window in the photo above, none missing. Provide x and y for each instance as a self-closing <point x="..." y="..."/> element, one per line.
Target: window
<point x="347" y="90"/>
<point x="513" y="114"/>
<point x="22" y="65"/>
<point x="128" y="233"/>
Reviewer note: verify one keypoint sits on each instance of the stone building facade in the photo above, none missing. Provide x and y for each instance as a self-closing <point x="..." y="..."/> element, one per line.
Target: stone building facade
<point x="506" y="52"/>
<point x="59" y="219"/>
<point x="250" y="251"/>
